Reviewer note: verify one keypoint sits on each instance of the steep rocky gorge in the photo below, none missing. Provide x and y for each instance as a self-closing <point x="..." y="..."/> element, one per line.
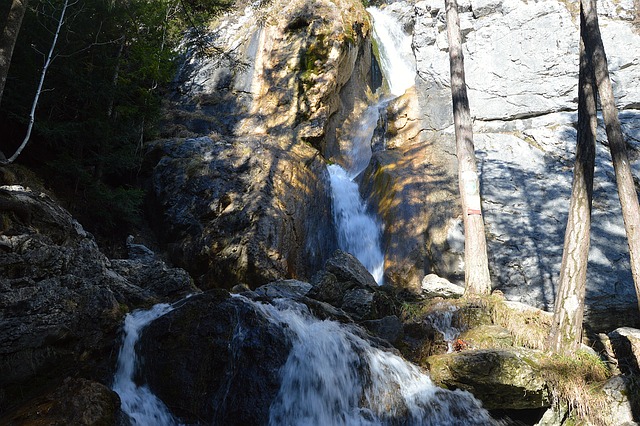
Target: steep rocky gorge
<point x="239" y="196"/>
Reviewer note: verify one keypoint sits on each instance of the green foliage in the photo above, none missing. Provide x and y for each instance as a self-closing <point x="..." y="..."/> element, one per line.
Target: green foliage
<point x="102" y="96"/>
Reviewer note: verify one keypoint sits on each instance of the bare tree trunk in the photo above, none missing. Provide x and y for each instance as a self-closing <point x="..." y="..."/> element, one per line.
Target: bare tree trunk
<point x="47" y="62"/>
<point x="477" y="280"/>
<point x="624" y="178"/>
<point x="566" y="329"/>
<point x="9" y="37"/>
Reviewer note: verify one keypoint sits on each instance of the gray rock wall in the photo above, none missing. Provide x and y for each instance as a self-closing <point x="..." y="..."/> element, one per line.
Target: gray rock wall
<point x="521" y="61"/>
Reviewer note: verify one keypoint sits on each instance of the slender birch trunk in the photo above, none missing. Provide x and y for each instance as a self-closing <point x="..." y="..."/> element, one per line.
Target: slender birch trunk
<point x="477" y="279"/>
<point x="566" y="329"/>
<point x="47" y="62"/>
<point x="617" y="146"/>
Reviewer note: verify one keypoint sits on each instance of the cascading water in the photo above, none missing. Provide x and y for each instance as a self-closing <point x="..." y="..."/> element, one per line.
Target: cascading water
<point x="394" y="51"/>
<point x="442" y="321"/>
<point x="335" y="377"/>
<point x="144" y="408"/>
<point x="359" y="232"/>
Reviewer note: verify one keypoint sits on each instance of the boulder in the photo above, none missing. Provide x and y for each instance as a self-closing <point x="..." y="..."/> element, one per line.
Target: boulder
<point x="500" y="378"/>
<point x="346" y="284"/>
<point x="389" y="328"/>
<point x="435" y="286"/>
<point x="215" y="359"/>
<point x="155" y="276"/>
<point x="289" y="289"/>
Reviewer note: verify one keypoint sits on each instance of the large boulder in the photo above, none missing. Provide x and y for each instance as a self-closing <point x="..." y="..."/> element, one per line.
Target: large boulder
<point x="500" y="378"/>
<point x="60" y="302"/>
<point x="215" y="359"/>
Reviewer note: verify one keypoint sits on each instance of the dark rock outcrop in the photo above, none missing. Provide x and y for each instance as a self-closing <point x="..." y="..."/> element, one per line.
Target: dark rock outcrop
<point x="61" y="304"/>
<point x="215" y="360"/>
<point x="78" y="402"/>
<point x="346" y="284"/>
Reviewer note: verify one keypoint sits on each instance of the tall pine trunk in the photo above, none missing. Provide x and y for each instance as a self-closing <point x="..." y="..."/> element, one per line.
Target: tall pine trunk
<point x="477" y="280"/>
<point x="9" y="37"/>
<point x="624" y="178"/>
<point x="566" y="329"/>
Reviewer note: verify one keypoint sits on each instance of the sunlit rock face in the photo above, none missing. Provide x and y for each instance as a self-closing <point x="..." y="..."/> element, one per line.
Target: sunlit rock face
<point x="240" y="190"/>
<point x="521" y="62"/>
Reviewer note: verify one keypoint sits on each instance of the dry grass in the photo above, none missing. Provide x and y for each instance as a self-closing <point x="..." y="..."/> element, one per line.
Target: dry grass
<point x="576" y="382"/>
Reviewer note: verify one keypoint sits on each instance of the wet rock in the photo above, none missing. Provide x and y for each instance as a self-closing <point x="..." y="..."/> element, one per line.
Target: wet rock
<point x="215" y="359"/>
<point x="359" y="303"/>
<point x="75" y="402"/>
<point x="348" y="269"/>
<point x="389" y="328"/>
<point x="346" y="284"/>
<point x="502" y="378"/>
<point x="290" y="289"/>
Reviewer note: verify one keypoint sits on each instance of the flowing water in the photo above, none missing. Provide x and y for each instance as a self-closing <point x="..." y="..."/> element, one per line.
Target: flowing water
<point x="395" y="54"/>
<point x="442" y="321"/>
<point x="335" y="377"/>
<point x="144" y="408"/>
<point x="359" y="231"/>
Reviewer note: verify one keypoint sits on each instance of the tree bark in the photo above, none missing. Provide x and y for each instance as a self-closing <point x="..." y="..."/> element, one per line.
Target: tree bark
<point x="566" y="329"/>
<point x="477" y="279"/>
<point x="9" y="37"/>
<point x="617" y="146"/>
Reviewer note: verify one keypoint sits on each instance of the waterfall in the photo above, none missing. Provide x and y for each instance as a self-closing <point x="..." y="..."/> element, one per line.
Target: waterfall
<point x="358" y="230"/>
<point x="335" y="377"/>
<point x="144" y="408"/>
<point x="394" y="50"/>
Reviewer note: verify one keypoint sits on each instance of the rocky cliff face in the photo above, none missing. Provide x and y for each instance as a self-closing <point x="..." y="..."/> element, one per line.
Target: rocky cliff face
<point x="247" y="200"/>
<point x="521" y="61"/>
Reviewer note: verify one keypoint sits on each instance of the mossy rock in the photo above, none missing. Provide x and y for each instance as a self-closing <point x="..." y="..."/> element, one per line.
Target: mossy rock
<point x="500" y="378"/>
<point x="487" y="336"/>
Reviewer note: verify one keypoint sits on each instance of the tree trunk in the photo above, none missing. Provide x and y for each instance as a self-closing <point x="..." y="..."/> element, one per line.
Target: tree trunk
<point x="624" y="179"/>
<point x="566" y="329"/>
<point x="477" y="280"/>
<point x="9" y="37"/>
